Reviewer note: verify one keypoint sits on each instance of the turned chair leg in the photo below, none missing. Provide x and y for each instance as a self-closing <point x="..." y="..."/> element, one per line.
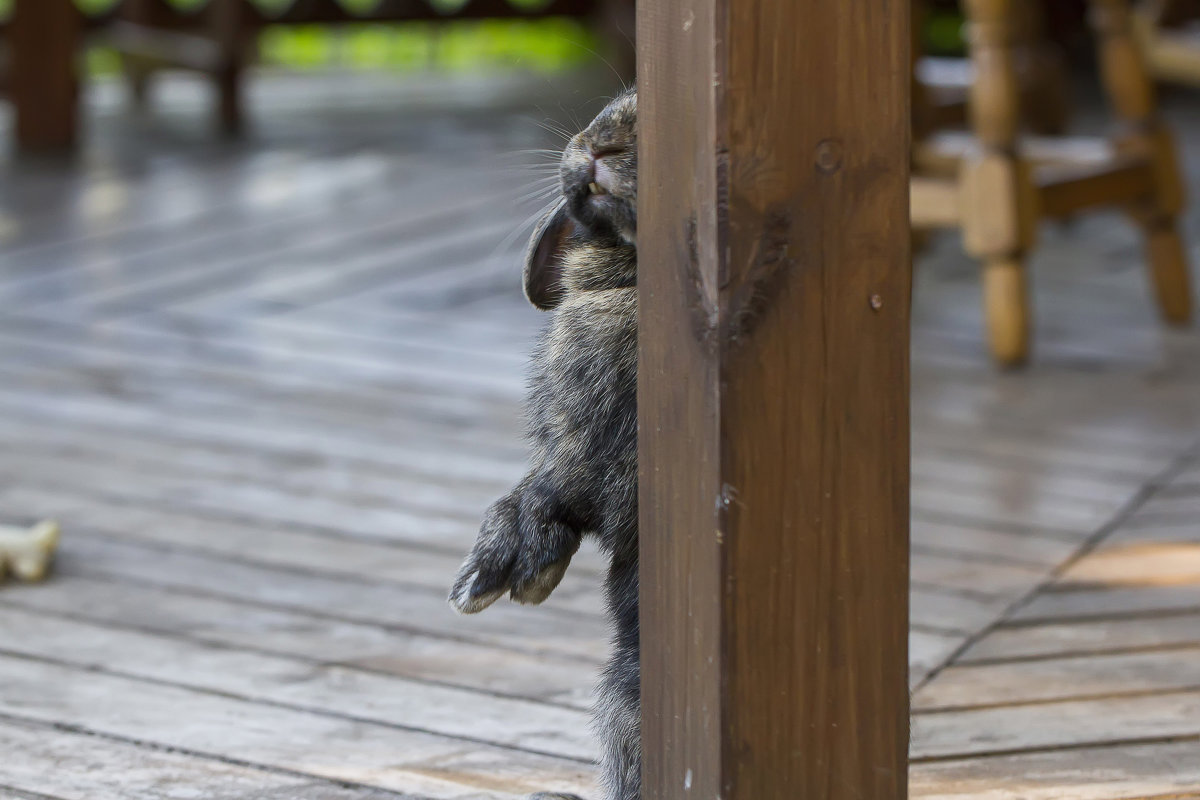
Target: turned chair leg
<point x="1006" y="305"/>
<point x="999" y="200"/>
<point x="1131" y="94"/>
<point x="1169" y="271"/>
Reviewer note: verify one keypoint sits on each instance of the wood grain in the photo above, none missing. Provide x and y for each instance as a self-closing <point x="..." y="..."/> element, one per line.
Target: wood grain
<point x="1074" y="723"/>
<point x="44" y="762"/>
<point x="316" y="640"/>
<point x="335" y="692"/>
<point x="217" y="726"/>
<point x="1063" y="678"/>
<point x="1087" y="636"/>
<point x="773" y="394"/>
<point x="1144" y="772"/>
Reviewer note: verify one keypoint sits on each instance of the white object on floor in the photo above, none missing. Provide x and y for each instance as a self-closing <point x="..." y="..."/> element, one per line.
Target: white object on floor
<point x="27" y="551"/>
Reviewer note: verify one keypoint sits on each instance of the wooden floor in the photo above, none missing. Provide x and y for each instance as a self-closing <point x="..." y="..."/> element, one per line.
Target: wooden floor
<point x="269" y="388"/>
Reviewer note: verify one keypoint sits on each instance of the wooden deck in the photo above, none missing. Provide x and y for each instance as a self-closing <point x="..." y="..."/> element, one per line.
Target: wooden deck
<point x="268" y="390"/>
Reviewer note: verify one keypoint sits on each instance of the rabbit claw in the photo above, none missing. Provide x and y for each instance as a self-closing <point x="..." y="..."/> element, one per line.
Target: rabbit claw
<point x="535" y="577"/>
<point x="519" y="552"/>
<point x="469" y="597"/>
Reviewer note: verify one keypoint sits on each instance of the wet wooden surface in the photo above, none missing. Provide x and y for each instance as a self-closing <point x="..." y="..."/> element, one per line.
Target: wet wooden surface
<point x="269" y="388"/>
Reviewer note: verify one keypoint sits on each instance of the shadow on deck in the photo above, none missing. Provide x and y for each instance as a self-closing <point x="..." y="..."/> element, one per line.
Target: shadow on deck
<point x="269" y="388"/>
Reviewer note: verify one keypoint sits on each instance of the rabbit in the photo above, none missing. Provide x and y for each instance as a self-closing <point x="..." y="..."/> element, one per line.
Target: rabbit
<point x="582" y="408"/>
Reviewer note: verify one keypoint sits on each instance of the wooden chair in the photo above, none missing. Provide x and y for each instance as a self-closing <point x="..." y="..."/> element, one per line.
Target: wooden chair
<point x="997" y="187"/>
<point x="213" y="40"/>
<point x="1172" y="48"/>
<point x="944" y="84"/>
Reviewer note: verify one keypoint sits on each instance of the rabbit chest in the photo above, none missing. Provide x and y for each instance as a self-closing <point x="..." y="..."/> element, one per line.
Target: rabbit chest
<point x="583" y="409"/>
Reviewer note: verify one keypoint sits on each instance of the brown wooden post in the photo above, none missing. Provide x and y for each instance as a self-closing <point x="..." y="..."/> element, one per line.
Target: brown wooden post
<point x="44" y="39"/>
<point x="773" y="398"/>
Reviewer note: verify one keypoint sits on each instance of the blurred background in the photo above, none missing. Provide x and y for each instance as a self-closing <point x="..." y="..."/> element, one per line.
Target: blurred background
<point x="262" y="345"/>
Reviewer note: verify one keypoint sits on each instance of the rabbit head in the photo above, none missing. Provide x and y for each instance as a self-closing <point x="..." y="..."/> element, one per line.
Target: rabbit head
<point x="596" y="218"/>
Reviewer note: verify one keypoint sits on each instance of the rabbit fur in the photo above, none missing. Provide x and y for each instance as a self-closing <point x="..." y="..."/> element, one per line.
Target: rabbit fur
<point x="582" y="409"/>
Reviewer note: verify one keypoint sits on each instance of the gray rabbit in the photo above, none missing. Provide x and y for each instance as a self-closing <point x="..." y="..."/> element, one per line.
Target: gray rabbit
<point x="582" y="406"/>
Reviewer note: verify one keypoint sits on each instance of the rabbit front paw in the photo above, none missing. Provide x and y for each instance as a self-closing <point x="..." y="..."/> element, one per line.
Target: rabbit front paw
<point x="521" y="550"/>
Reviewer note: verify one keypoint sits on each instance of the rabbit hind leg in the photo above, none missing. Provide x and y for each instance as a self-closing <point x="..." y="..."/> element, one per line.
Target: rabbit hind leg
<point x="618" y="704"/>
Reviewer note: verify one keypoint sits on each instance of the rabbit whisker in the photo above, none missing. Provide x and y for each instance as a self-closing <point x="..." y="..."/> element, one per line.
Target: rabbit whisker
<point x="555" y="129"/>
<point x="521" y="229"/>
<point x="540" y="194"/>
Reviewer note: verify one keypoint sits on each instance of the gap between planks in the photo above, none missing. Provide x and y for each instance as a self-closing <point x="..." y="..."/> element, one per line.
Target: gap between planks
<point x="1140" y="498"/>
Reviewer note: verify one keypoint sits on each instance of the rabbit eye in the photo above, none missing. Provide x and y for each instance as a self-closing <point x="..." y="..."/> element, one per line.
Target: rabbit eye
<point x="608" y="150"/>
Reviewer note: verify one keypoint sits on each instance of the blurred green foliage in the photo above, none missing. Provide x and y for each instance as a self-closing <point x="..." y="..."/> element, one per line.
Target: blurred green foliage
<point x="456" y="45"/>
<point x="540" y="44"/>
<point x="548" y="44"/>
<point x="943" y="34"/>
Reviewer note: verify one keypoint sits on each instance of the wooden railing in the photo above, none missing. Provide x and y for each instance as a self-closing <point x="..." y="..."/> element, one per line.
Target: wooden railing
<point x="163" y="13"/>
<point x="213" y="38"/>
<point x="167" y="13"/>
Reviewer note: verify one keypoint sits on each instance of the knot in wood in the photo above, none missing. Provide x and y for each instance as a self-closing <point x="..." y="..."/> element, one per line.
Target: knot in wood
<point x="829" y="155"/>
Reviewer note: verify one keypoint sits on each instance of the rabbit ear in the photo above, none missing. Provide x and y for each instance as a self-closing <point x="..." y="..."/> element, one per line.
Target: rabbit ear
<point x="544" y="258"/>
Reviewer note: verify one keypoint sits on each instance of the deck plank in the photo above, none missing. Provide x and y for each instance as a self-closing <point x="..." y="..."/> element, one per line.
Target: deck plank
<point x="334" y="692"/>
<point x="1066" y="723"/>
<point x="1067" y="677"/>
<point x="53" y="764"/>
<point x="319" y="640"/>
<point x="269" y="388"/>
<point x="546" y="629"/>
<point x="1169" y="771"/>
<point x="1112" y="602"/>
<point x="277" y="738"/>
<point x="1086" y="636"/>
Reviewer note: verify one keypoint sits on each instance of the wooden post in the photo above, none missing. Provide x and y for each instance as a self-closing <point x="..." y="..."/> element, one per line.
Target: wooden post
<point x="44" y="39"/>
<point x="773" y="398"/>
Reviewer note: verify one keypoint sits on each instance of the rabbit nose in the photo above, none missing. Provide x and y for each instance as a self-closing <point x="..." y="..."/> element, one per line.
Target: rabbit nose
<point x="596" y="175"/>
<point x="602" y="174"/>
